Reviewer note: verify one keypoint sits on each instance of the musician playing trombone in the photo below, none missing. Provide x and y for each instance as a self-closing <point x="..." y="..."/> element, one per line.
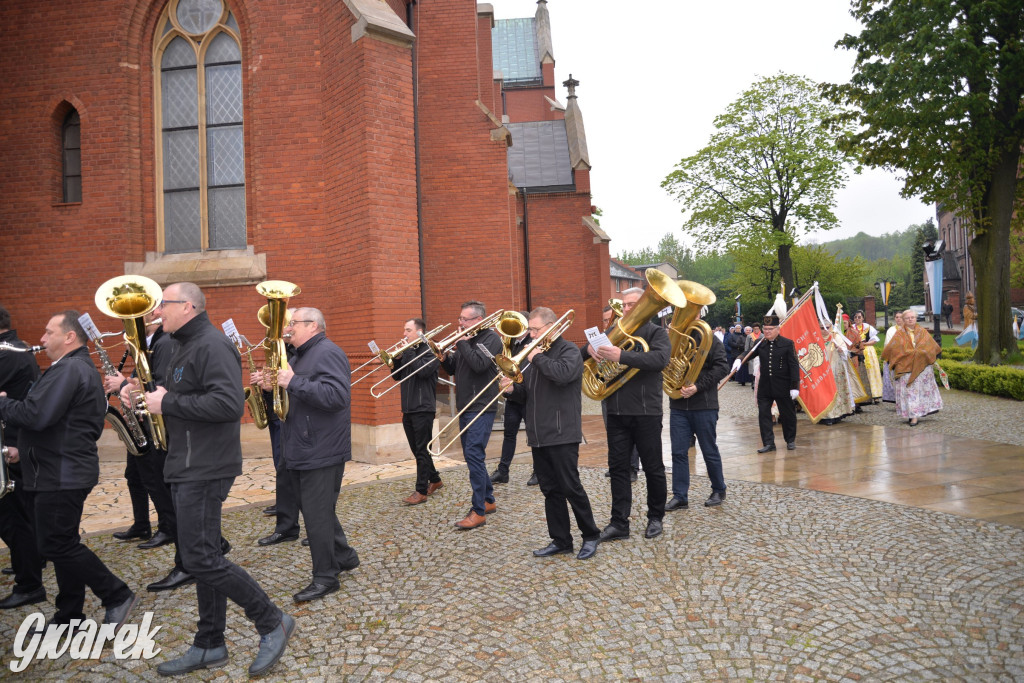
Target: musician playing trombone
<point x="419" y="406"/>
<point x="550" y="396"/>
<point x="473" y="370"/>
<point x="634" y="418"/>
<point x="18" y="371"/>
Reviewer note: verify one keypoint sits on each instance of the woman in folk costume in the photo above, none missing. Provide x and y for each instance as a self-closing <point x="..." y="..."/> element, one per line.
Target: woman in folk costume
<point x="848" y="388"/>
<point x="911" y="354"/>
<point x="888" y="390"/>
<point x="970" y="333"/>
<point x="864" y="357"/>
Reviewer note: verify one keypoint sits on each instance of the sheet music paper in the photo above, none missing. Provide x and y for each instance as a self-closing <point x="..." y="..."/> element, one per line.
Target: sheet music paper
<point x="230" y="330"/>
<point x="85" y="320"/>
<point x="373" y="347"/>
<point x="596" y="338"/>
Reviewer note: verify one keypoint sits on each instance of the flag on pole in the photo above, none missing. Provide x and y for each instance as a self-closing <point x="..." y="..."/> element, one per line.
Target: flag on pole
<point x="817" y="383"/>
<point x="886" y="289"/>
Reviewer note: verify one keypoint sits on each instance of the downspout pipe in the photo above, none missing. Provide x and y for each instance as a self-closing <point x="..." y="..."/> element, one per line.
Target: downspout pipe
<point x="526" y="248"/>
<point x="410" y="19"/>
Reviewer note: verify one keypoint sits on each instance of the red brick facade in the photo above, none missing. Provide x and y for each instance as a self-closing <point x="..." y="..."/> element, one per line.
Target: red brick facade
<point x="335" y="200"/>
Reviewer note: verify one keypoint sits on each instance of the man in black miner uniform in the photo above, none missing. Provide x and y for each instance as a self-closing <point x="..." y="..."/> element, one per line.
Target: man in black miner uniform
<point x="779" y="382"/>
<point x="550" y="397"/>
<point x="202" y="404"/>
<point x="59" y="422"/>
<point x="18" y="371"/>
<point x="513" y="418"/>
<point x="419" y="406"/>
<point x="316" y="442"/>
<point x="634" y="415"/>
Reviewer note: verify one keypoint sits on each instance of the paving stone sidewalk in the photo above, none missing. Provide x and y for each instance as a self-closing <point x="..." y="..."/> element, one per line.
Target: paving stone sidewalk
<point x="776" y="584"/>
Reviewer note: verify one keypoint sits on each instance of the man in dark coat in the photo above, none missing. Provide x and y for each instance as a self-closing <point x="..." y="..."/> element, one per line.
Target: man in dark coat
<point x="551" y="404"/>
<point x="696" y="413"/>
<point x="60" y="421"/>
<point x="202" y="403"/>
<point x="316" y="442"/>
<point x="779" y="382"/>
<point x="416" y="369"/>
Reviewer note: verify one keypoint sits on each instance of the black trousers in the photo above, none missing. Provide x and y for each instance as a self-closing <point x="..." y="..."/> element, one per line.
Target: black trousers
<point x="286" y="500"/>
<point x="58" y="517"/>
<point x="418" y="428"/>
<point x="787" y="417"/>
<point x="198" y="504"/>
<point x="643" y="432"/>
<point x="557" y="469"/>
<point x="150" y="466"/>
<point x="137" y="493"/>
<point x="513" y="418"/>
<point x="18" y="533"/>
<point x="317" y="492"/>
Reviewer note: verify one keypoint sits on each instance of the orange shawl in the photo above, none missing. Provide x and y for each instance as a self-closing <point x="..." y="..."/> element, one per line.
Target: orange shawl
<point x="910" y="352"/>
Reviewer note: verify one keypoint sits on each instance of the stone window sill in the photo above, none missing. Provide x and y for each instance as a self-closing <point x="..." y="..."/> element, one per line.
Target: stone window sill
<point x="225" y="268"/>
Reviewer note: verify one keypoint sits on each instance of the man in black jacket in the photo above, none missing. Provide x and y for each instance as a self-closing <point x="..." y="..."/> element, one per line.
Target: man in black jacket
<point x="60" y="421"/>
<point x="419" y="406"/>
<point x="513" y="419"/>
<point x="779" y="382"/>
<point x="202" y="402"/>
<point x="18" y="371"/>
<point x="316" y="442"/>
<point x="550" y="397"/>
<point x="696" y="412"/>
<point x="634" y="414"/>
<point x="473" y="370"/>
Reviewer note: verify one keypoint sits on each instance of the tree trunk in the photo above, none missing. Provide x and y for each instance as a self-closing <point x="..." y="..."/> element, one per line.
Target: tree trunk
<point x="786" y="270"/>
<point x="990" y="253"/>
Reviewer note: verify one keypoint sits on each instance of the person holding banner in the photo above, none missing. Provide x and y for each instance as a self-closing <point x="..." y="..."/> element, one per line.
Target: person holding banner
<point x="911" y="354"/>
<point x="779" y="382"/>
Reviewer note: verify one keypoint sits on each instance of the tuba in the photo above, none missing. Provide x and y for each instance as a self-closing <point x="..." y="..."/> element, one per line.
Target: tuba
<point x="274" y="316"/>
<point x="130" y="297"/>
<point x="688" y="351"/>
<point x="601" y="380"/>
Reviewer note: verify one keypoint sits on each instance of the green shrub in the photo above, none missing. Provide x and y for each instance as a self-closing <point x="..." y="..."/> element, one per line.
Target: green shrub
<point x="983" y="379"/>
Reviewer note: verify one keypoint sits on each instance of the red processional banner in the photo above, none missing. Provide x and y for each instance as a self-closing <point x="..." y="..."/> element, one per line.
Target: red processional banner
<point x="817" y="383"/>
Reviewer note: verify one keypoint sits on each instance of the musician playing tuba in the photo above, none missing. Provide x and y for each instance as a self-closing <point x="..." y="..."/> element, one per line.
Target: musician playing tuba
<point x="634" y="418"/>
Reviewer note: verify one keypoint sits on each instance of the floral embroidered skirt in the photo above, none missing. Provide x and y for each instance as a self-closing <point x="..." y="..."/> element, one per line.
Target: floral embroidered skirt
<point x="920" y="398"/>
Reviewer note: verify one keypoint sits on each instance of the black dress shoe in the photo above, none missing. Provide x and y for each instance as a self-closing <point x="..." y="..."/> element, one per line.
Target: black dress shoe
<point x="588" y="550"/>
<point x="612" y="533"/>
<point x="132" y="534"/>
<point x="7" y="571"/>
<point x="276" y="538"/>
<point x="791" y="446"/>
<point x="159" y="539"/>
<point x="714" y="499"/>
<point x="677" y="503"/>
<point x="654" y="528"/>
<point x="533" y="480"/>
<point x="270" y="511"/>
<point x="305" y="543"/>
<point x="607" y="474"/>
<point x="176" y="579"/>
<point x="314" y="591"/>
<point x="552" y="549"/>
<point x="499" y="477"/>
<point x="767" y="449"/>
<point x="633" y="475"/>
<point x="16" y="599"/>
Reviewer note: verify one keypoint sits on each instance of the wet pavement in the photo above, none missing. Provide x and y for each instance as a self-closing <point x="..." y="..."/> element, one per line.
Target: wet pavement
<point x="866" y="554"/>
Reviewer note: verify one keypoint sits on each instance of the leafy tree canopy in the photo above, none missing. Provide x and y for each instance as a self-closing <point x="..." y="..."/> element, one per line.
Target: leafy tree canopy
<point x="769" y="173"/>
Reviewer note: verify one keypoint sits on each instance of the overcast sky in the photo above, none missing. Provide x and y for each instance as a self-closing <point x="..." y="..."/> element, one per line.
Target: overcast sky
<point x="653" y="76"/>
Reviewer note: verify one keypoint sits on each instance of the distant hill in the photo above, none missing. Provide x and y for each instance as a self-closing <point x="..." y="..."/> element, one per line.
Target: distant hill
<point x="874" y="248"/>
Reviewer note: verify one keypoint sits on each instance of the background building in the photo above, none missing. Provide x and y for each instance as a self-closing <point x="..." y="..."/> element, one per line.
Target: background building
<point x="368" y="151"/>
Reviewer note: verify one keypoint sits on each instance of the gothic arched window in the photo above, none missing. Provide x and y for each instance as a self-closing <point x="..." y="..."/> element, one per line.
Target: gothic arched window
<point x="71" y="158"/>
<point x="200" y="150"/>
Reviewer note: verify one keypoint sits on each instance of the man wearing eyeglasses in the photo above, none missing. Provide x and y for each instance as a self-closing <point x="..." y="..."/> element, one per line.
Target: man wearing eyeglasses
<point x="550" y="397"/>
<point x="316" y="442"/>
<point x="473" y="370"/>
<point x="202" y="403"/>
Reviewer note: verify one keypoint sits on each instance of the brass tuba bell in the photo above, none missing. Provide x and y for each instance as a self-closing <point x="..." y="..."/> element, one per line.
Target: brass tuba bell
<point x="274" y="316"/>
<point x="688" y="351"/>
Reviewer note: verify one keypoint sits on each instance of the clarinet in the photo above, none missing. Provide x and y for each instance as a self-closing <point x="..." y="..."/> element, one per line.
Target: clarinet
<point x="130" y="419"/>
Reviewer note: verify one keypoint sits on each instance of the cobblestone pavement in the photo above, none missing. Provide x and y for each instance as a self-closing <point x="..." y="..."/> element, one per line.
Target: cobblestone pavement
<point x="776" y="584"/>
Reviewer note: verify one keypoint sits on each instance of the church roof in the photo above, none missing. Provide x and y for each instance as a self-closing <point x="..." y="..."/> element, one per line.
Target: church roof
<point x="514" y="49"/>
<point x="539" y="155"/>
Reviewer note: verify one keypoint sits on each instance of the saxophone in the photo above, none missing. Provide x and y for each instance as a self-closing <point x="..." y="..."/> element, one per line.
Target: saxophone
<point x="254" y="397"/>
<point x="134" y="439"/>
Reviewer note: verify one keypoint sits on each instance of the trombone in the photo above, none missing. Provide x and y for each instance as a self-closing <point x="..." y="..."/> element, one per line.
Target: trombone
<point x="510" y="367"/>
<point x="387" y="357"/>
<point x="443" y="347"/>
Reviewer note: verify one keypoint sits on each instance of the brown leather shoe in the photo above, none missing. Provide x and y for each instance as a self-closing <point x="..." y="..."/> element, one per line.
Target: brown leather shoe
<point x="433" y="486"/>
<point x="490" y="507"/>
<point x="415" y="499"/>
<point x="471" y="521"/>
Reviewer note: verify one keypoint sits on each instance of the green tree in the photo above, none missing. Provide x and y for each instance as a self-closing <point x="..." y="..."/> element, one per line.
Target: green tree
<point x="769" y="172"/>
<point x="936" y="92"/>
<point x="757" y="273"/>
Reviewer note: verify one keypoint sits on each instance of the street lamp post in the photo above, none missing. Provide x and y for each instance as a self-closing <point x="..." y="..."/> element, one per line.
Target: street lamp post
<point x="933" y="266"/>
